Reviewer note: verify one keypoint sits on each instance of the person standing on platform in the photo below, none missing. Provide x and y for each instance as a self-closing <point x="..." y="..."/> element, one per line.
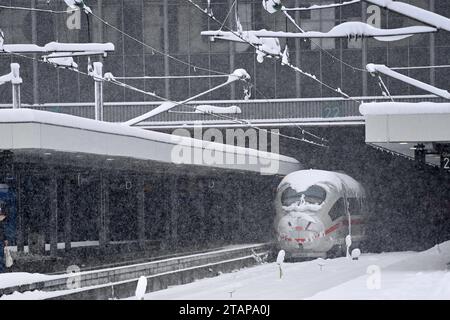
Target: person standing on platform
<point x="3" y="239"/>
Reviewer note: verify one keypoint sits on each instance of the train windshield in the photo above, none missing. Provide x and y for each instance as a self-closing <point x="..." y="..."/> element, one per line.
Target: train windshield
<point x="312" y="195"/>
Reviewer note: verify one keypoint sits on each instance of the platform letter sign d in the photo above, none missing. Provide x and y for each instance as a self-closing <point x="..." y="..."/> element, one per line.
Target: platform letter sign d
<point x="445" y="161"/>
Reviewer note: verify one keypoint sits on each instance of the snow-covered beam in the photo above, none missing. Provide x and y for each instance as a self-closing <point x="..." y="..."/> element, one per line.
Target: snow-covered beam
<point x="380" y="68"/>
<point x="352" y="29"/>
<point x="16" y="80"/>
<point x="204" y="108"/>
<point x="416" y="13"/>
<point x="265" y="46"/>
<point x="318" y="6"/>
<point x="61" y="59"/>
<point x="59" y="47"/>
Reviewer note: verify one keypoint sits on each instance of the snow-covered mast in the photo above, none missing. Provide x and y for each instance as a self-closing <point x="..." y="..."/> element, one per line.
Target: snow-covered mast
<point x="16" y="81"/>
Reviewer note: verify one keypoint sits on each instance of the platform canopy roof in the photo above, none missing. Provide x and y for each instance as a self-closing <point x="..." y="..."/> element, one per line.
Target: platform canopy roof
<point x="34" y="132"/>
<point x="400" y="126"/>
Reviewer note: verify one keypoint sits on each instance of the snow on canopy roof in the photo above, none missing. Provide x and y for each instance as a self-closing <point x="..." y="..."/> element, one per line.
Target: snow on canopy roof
<point x="64" y="120"/>
<point x="390" y="108"/>
<point x="350" y="29"/>
<point x="303" y="179"/>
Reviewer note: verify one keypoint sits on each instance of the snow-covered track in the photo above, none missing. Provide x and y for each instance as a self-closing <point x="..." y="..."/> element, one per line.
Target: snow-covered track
<point x="120" y="282"/>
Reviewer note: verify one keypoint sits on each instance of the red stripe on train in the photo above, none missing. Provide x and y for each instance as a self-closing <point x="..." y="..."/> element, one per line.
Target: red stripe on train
<point x="329" y="230"/>
<point x="341" y="224"/>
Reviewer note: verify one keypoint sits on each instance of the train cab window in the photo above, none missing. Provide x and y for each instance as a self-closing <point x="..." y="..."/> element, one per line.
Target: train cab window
<point x="338" y="209"/>
<point x="312" y="195"/>
<point x="288" y="197"/>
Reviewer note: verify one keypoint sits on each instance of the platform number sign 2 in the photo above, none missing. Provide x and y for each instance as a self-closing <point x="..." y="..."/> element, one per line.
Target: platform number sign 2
<point x="445" y="161"/>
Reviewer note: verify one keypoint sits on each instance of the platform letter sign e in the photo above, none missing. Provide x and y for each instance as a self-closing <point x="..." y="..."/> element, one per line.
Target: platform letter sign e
<point x="445" y="161"/>
<point x="73" y="21"/>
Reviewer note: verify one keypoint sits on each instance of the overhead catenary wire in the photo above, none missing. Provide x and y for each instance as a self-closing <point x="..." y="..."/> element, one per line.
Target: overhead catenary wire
<point x="317" y="7"/>
<point x="39" y="10"/>
<point x="152" y="94"/>
<point x="384" y="88"/>
<point x="295" y="68"/>
<point x="228" y="14"/>
<point x="172" y="77"/>
<point x="194" y="67"/>
<point x="210" y="14"/>
<point x="115" y="82"/>
<point x="320" y="47"/>
<point x="224" y="117"/>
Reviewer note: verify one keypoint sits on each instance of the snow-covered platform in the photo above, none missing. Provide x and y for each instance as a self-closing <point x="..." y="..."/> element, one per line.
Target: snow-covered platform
<point x="399" y="126"/>
<point x="393" y="275"/>
<point x="27" y="131"/>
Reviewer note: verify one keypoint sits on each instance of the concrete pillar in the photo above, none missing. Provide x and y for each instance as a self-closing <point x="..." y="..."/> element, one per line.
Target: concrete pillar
<point x="16" y="82"/>
<point x="53" y="197"/>
<point x="67" y="216"/>
<point x="20" y="213"/>
<point x="103" y="221"/>
<point x="98" y="80"/>
<point x="141" y="211"/>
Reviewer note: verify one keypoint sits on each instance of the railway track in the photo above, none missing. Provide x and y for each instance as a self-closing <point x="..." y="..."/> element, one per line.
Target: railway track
<point x="120" y="281"/>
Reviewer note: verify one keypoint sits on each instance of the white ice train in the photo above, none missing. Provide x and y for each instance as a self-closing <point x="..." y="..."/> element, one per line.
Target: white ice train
<point x="316" y="210"/>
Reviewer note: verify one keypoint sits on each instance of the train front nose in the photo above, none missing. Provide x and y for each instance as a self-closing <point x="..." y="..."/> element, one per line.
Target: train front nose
<point x="301" y="231"/>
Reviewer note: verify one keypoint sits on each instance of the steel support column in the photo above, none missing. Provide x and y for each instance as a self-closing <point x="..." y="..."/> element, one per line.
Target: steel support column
<point x="53" y="197"/>
<point x="141" y="211"/>
<point x="98" y="80"/>
<point x="67" y="216"/>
